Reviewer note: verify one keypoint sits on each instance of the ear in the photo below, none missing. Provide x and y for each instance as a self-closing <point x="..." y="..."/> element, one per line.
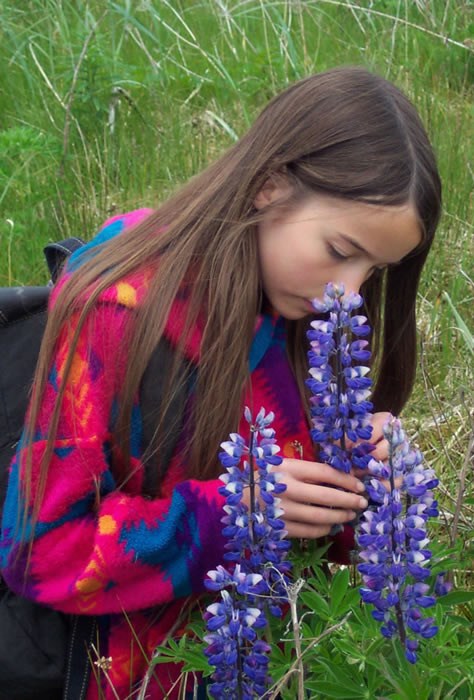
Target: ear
<point x="275" y="188"/>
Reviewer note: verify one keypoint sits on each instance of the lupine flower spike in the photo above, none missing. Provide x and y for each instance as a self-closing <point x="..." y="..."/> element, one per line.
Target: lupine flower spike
<point x="392" y="534"/>
<point x="340" y="406"/>
<point x="256" y="578"/>
<point x="393" y="540"/>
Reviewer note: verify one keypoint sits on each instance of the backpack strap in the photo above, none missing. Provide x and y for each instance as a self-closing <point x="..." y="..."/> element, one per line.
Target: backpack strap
<point x="18" y="303"/>
<point x="81" y="638"/>
<point x="152" y="388"/>
<point x="57" y="253"/>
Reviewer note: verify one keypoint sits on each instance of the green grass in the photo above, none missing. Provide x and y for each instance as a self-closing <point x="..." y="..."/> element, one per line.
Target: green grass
<point x="109" y="105"/>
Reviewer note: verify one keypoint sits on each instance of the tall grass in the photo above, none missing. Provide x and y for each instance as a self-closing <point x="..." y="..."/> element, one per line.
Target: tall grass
<point x="110" y="105"/>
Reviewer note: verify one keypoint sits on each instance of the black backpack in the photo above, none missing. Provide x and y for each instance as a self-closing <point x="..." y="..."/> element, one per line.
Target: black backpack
<point x="45" y="654"/>
<point x="34" y="640"/>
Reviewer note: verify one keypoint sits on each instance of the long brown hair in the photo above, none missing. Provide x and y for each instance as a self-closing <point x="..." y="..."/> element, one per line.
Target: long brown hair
<point x="346" y="133"/>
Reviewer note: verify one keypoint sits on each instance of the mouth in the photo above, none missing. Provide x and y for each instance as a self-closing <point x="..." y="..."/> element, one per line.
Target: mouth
<point x="309" y="307"/>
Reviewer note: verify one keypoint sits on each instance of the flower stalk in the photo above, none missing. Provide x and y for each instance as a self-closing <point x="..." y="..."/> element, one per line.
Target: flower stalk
<point x="392" y="534"/>
<point x="339" y="382"/>
<point x="393" y="539"/>
<point x="256" y="581"/>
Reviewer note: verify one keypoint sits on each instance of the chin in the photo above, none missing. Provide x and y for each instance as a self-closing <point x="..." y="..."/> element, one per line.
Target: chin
<point x="295" y="315"/>
<point x="292" y="311"/>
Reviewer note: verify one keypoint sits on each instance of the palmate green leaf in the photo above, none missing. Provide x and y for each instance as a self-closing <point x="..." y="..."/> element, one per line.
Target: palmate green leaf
<point x="326" y="689"/>
<point x="198" y="628"/>
<point x="348" y="648"/>
<point x="192" y="657"/>
<point x="315" y="603"/>
<point x="373" y="678"/>
<point x="362" y="623"/>
<point x="310" y="553"/>
<point x="337" y="673"/>
<point x="339" y="589"/>
<point x="319" y="580"/>
<point x="456" y="598"/>
<point x="313" y="625"/>
<point x="447" y="634"/>
<point x="464" y="624"/>
<point x="282" y="655"/>
<point x="355" y="652"/>
<point x="449" y="672"/>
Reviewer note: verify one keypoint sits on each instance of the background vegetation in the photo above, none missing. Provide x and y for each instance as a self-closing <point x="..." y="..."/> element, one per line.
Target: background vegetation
<point x="107" y="106"/>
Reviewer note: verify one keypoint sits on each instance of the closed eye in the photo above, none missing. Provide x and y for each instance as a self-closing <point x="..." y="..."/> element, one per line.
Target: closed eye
<point x="335" y="253"/>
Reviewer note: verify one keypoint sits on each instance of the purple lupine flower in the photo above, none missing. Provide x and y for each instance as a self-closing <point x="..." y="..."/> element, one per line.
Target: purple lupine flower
<point x="442" y="587"/>
<point x="340" y="406"/>
<point x="257" y="581"/>
<point x="392" y="534"/>
<point x="240" y="659"/>
<point x="393" y="540"/>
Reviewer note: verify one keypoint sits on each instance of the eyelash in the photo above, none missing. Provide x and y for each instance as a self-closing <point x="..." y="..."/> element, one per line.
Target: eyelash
<point x="334" y="253"/>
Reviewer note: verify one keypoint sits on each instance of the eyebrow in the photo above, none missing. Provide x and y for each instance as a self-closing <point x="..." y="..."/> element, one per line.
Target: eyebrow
<point x="355" y="244"/>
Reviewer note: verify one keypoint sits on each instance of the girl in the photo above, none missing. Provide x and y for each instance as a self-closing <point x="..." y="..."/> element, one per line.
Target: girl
<point x="335" y="181"/>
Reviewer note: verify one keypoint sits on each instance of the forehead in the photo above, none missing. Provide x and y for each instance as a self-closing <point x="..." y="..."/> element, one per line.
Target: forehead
<point x="386" y="233"/>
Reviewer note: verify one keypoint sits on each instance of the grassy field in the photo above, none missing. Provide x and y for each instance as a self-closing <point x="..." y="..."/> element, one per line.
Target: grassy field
<point x="107" y="106"/>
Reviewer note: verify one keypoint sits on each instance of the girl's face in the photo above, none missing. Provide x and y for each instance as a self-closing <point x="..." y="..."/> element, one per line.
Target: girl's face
<point x="327" y="239"/>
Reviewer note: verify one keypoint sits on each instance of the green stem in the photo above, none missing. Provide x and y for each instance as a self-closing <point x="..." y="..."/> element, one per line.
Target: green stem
<point x="398" y="609"/>
<point x="252" y="486"/>
<point x="339" y="377"/>
<point x="240" y="690"/>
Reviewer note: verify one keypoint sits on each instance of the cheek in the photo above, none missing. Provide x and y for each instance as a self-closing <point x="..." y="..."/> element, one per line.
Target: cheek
<point x="309" y="266"/>
<point x="321" y="267"/>
<point x="278" y="259"/>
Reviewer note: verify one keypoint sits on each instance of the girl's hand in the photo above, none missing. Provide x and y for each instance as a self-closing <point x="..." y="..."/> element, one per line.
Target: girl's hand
<point x="381" y="446"/>
<point x="377" y="439"/>
<point x="313" y="501"/>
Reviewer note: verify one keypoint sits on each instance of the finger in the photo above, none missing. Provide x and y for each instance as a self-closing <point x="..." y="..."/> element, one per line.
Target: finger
<point x="310" y="532"/>
<point x="315" y="515"/>
<point x="376" y="440"/>
<point x="359" y="473"/>
<point x="318" y="473"/>
<point x="398" y="482"/>
<point x="378" y="421"/>
<point x="381" y="450"/>
<point x="300" y="492"/>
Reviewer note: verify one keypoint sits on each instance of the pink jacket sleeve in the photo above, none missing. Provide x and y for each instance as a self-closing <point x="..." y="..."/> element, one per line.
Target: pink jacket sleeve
<point x="96" y="549"/>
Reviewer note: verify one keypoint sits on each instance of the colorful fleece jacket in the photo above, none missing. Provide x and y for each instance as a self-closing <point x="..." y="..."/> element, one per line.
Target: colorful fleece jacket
<point x="97" y="550"/>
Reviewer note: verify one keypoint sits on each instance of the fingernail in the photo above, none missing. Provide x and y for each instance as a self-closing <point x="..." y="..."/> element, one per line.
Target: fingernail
<point x="360" y="486"/>
<point x="363" y="502"/>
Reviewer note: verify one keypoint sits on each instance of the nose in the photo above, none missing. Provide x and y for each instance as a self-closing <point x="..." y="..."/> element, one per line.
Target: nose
<point x="354" y="278"/>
